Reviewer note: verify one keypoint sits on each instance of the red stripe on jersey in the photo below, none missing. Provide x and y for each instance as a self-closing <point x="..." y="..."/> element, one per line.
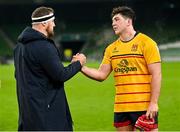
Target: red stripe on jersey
<point x="131" y="84"/>
<point x="133" y="93"/>
<point x="113" y="58"/>
<point x="131" y="102"/>
<point x="131" y="75"/>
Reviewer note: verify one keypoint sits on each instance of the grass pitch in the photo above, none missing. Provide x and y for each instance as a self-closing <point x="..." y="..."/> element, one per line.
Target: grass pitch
<point x="91" y="102"/>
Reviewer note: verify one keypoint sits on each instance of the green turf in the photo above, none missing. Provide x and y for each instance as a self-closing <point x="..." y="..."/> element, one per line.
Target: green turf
<point x="91" y="102"/>
<point x="8" y="101"/>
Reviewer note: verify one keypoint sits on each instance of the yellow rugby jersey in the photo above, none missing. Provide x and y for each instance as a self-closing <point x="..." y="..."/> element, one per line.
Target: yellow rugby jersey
<point x="132" y="79"/>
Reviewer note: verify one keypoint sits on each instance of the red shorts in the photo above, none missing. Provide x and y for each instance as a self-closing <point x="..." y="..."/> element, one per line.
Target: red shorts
<point x="129" y="118"/>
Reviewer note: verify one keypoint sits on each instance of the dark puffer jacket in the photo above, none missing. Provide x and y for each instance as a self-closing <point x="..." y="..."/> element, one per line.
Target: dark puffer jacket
<point x="40" y="77"/>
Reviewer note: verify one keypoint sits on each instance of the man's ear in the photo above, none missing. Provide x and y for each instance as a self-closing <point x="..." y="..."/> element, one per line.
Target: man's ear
<point x="129" y="21"/>
<point x="44" y="24"/>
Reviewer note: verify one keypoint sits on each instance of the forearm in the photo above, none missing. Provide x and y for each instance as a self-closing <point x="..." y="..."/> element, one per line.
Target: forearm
<point x="155" y="87"/>
<point x="92" y="73"/>
<point x="69" y="71"/>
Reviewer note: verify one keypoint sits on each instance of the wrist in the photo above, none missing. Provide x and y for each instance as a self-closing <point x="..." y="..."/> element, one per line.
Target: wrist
<point x="153" y="102"/>
<point x="83" y="68"/>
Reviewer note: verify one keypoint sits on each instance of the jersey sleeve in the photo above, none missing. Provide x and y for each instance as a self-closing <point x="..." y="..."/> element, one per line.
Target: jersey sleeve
<point x="106" y="57"/>
<point x="151" y="52"/>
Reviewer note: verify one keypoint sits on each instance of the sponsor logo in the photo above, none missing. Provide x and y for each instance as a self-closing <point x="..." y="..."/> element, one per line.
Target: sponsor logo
<point x="123" y="67"/>
<point x="115" y="50"/>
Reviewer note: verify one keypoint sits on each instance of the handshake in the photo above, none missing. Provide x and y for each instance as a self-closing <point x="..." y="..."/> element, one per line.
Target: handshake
<point x="79" y="57"/>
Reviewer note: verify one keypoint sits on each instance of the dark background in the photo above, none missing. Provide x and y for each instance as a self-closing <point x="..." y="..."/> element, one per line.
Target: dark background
<point x="94" y="11"/>
<point x="81" y="23"/>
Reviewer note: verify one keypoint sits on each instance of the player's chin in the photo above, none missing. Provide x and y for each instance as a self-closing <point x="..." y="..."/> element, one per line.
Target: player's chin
<point x="116" y="32"/>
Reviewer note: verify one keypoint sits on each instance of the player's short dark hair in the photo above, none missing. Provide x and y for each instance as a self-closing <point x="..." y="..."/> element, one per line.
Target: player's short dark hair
<point x="124" y="11"/>
<point x="41" y="11"/>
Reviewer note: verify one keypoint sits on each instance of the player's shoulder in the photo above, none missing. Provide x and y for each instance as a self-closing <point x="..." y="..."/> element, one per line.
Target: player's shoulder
<point x="146" y="39"/>
<point x="111" y="45"/>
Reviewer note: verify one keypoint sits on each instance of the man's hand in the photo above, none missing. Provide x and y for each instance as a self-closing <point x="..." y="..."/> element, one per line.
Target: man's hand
<point x="152" y="110"/>
<point x="79" y="57"/>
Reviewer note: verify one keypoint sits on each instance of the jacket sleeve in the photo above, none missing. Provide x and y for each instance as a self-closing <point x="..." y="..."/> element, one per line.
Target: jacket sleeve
<point x="50" y="61"/>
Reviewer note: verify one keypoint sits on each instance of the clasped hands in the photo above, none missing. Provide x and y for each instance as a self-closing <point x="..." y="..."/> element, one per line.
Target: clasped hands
<point x="79" y="57"/>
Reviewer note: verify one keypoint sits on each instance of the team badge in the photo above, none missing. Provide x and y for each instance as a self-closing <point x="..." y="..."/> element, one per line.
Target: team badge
<point x="134" y="47"/>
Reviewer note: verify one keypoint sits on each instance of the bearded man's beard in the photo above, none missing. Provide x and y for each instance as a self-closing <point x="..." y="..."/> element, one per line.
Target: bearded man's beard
<point x="50" y="33"/>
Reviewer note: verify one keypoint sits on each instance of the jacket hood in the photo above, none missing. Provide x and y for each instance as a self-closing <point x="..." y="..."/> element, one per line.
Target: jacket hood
<point x="29" y="34"/>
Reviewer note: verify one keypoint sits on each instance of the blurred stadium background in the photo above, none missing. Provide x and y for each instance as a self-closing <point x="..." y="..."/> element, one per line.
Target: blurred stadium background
<point x="85" y="26"/>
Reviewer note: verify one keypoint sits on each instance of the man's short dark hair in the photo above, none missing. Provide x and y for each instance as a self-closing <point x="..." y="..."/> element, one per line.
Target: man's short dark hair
<point x="42" y="11"/>
<point x="124" y="11"/>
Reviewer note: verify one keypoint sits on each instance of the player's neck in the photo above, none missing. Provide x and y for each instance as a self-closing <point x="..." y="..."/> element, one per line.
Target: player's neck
<point x="127" y="35"/>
